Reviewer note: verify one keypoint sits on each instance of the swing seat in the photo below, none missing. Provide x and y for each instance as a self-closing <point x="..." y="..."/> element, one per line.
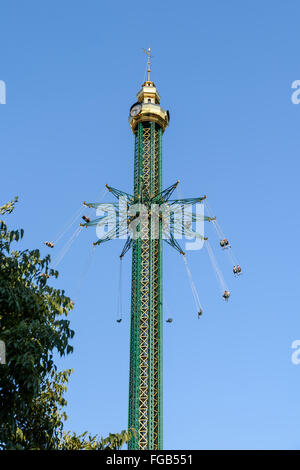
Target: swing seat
<point x="224" y="244"/>
<point x="119" y="320"/>
<point x="237" y="271"/>
<point x="169" y="320"/>
<point x="226" y="295"/>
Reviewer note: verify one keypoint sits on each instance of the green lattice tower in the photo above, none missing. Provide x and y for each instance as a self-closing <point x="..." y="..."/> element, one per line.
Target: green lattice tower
<point x="148" y="122"/>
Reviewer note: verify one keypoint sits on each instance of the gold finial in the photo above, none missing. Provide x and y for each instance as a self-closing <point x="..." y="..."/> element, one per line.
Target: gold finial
<point x="148" y="52"/>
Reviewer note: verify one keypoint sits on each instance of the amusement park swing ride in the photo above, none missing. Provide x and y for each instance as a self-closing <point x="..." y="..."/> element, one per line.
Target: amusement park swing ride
<point x="145" y="218"/>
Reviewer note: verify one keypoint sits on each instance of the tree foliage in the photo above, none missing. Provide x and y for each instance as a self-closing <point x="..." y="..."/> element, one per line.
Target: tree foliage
<point x="71" y="441"/>
<point x="33" y="326"/>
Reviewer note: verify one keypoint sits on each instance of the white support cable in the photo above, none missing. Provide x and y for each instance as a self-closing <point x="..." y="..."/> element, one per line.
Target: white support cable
<point x="69" y="224"/>
<point x="208" y="208"/>
<point x="167" y="309"/>
<point x="218" y="229"/>
<point x="120" y="299"/>
<point x="102" y="195"/>
<point x="193" y="287"/>
<point x="232" y="257"/>
<point x="66" y="247"/>
<point x="73" y="219"/>
<point x="216" y="267"/>
<point x="214" y="222"/>
<point x="221" y="236"/>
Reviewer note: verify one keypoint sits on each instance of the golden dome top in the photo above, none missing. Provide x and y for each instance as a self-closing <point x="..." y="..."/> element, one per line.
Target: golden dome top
<point x="148" y="106"/>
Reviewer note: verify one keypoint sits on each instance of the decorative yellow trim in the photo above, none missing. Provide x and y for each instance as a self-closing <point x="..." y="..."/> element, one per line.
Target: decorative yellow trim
<point x="152" y="113"/>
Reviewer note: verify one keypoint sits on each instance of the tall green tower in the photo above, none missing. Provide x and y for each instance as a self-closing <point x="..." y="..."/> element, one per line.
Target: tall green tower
<point x="146" y="221"/>
<point x="148" y="122"/>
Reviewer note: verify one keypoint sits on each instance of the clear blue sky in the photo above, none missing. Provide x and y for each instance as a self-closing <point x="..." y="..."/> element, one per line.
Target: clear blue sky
<point x="224" y="69"/>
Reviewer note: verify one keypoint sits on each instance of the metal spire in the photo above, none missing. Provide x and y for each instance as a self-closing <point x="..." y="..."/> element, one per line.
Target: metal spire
<point x="148" y="52"/>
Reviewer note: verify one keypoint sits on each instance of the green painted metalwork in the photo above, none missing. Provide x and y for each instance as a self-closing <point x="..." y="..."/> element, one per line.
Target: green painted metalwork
<point x="145" y="393"/>
<point x="145" y="370"/>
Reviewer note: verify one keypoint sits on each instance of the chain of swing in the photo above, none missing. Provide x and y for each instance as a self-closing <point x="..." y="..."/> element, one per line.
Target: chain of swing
<point x="71" y="240"/>
<point x="223" y="243"/>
